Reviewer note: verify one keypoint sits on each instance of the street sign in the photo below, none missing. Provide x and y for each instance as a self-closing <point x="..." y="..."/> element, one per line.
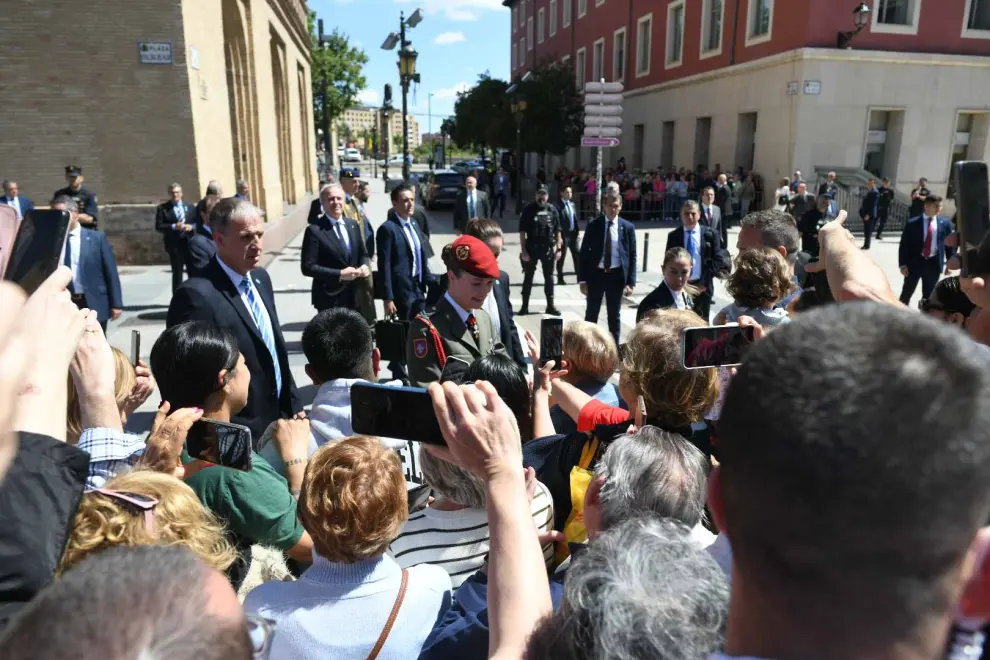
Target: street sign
<point x="599" y="142"/>
<point x="608" y="88"/>
<point x="602" y="131"/>
<point x="155" y="52"/>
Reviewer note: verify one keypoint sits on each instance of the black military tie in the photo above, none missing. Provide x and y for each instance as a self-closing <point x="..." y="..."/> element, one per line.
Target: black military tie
<point x="472" y="325"/>
<point x="608" y="246"/>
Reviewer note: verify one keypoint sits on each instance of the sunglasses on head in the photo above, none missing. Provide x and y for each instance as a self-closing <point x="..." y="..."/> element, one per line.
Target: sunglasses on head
<point x="141" y="502"/>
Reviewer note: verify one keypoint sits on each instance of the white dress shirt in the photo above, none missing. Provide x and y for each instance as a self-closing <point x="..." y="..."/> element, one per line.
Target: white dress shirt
<point x="461" y="312"/>
<point x="15" y="203"/>
<point x="568" y="214"/>
<point x="340" y="229"/>
<point x="74" y="246"/>
<point x="237" y="278"/>
<point x="680" y="301"/>
<point x="491" y="306"/>
<point x="612" y="228"/>
<point x="696" y="255"/>
<point x="414" y="243"/>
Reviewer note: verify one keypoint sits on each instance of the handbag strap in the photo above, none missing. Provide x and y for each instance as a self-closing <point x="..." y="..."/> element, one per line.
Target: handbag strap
<point x="391" y="617"/>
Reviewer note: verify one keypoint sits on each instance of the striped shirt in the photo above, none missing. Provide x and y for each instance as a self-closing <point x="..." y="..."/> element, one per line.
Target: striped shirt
<point x="457" y="541"/>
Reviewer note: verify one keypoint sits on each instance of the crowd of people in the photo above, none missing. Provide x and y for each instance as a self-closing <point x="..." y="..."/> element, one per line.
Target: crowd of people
<point x="825" y="499"/>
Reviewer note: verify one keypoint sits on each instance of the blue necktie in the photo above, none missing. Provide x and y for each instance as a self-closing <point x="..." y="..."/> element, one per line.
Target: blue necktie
<point x="692" y="248"/>
<point x="67" y="261"/>
<point x="254" y="306"/>
<point x="180" y="213"/>
<point x="570" y="215"/>
<point x="471" y="205"/>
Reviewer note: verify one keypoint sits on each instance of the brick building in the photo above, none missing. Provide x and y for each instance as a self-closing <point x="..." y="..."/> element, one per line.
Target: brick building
<point x="763" y="84"/>
<point x="140" y="94"/>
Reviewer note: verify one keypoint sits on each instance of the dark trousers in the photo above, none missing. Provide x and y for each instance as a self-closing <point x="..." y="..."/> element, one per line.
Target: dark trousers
<point x="702" y="302"/>
<point x="177" y="259"/>
<point x="80" y="301"/>
<point x="608" y="285"/>
<point x="881" y="222"/>
<point x="867" y="233"/>
<point x="405" y="311"/>
<point x="364" y="297"/>
<point x="927" y="271"/>
<point x="499" y="204"/>
<point x="529" y="270"/>
<point x="570" y="244"/>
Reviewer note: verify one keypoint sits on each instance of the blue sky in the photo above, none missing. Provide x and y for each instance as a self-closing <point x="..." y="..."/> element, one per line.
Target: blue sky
<point x="457" y="41"/>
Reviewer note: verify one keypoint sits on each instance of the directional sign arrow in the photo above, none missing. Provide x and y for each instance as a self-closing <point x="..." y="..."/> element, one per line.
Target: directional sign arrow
<point x="599" y="142"/>
<point x="607" y="110"/>
<point x="602" y="131"/>
<point x="608" y="88"/>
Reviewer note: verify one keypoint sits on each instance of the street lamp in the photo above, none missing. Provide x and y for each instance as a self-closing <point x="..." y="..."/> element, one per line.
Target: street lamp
<point x="861" y="16"/>
<point x="327" y="138"/>
<point x="518" y="109"/>
<point x="407" y="74"/>
<point x="386" y="123"/>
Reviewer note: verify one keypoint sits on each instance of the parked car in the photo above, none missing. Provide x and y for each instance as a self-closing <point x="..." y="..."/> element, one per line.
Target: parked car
<point x="351" y="155"/>
<point x="440" y="187"/>
<point x="395" y="161"/>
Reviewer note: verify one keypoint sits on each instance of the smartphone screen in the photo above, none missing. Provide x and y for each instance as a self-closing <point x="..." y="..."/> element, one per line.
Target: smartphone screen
<point x="715" y="346"/>
<point x="228" y="445"/>
<point x="551" y="341"/>
<point x="135" y="346"/>
<point x="404" y="413"/>
<point x="37" y="249"/>
<point x="973" y="221"/>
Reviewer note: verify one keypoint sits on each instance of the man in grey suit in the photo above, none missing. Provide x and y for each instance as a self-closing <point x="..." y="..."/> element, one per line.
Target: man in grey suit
<point x="711" y="214"/>
<point x="471" y="203"/>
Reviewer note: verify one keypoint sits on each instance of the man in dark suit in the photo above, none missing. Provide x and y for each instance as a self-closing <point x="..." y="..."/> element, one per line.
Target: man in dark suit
<point x="883" y="205"/>
<point x="236" y="294"/>
<point x="868" y="210"/>
<point x="95" y="283"/>
<point x="334" y="254"/>
<point x="608" y="263"/>
<point x="200" y="246"/>
<point x="174" y="220"/>
<point x="568" y="213"/>
<point x="500" y="184"/>
<point x="800" y="202"/>
<point x="315" y="207"/>
<point x="214" y="192"/>
<point x="708" y="258"/>
<point x="723" y="198"/>
<point x="22" y="205"/>
<point x="921" y="254"/>
<point x="470" y="203"/>
<point x="711" y="214"/>
<point x="830" y="190"/>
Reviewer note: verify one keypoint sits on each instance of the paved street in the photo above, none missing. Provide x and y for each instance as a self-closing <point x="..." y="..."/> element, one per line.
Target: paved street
<point x="147" y="290"/>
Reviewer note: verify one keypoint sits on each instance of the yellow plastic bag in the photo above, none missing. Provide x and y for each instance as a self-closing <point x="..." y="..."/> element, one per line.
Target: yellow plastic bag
<point x="574" y="529"/>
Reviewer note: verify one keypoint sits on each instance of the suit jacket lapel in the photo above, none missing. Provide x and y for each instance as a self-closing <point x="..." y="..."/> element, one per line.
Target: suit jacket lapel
<point x="457" y="330"/>
<point x="268" y="298"/>
<point x="225" y="286"/>
<point x="334" y="240"/>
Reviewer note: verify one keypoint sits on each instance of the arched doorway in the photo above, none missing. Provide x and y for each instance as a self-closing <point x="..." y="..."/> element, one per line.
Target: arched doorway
<point x="282" y="128"/>
<point x="242" y="97"/>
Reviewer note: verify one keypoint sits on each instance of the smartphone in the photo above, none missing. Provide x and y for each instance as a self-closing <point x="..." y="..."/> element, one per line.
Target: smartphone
<point x="404" y="413"/>
<point x="715" y="346"/>
<point x="455" y="370"/>
<point x="37" y="249"/>
<point x="973" y="216"/>
<point x="819" y="281"/>
<point x="222" y="443"/>
<point x="135" y="346"/>
<point x="551" y="341"/>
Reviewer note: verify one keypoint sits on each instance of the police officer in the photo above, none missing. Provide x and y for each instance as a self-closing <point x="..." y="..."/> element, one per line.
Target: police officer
<point x="459" y="330"/>
<point x="85" y="200"/>
<point x="542" y="241"/>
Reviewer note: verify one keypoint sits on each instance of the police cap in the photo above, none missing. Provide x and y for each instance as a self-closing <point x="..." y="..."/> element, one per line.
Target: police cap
<point x="73" y="170"/>
<point x="346" y="173"/>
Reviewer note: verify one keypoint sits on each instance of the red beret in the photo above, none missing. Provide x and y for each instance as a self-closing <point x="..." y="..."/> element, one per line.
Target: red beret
<point x="474" y="256"/>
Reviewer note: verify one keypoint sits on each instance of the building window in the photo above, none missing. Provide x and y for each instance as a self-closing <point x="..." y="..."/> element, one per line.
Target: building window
<point x="711" y="27"/>
<point x="582" y="8"/>
<point x="522" y="52"/>
<point x="529" y="33"/>
<point x="675" y="33"/>
<point x="619" y="55"/>
<point x="896" y="16"/>
<point x="579" y="70"/>
<point x="515" y="57"/>
<point x="759" y="21"/>
<point x="522" y="13"/>
<point x="541" y="21"/>
<point x="565" y="60"/>
<point x="976" y="22"/>
<point x="598" y="60"/>
<point x="565" y="16"/>
<point x="515" y="14"/>
<point x="553" y="17"/>
<point x="599" y="3"/>
<point x="644" y="37"/>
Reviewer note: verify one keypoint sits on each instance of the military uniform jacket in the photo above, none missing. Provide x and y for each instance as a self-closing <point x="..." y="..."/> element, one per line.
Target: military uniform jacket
<point x="424" y="362"/>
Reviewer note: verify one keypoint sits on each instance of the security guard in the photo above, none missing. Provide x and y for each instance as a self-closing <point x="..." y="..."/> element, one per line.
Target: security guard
<point x="365" y="291"/>
<point x="459" y="328"/>
<point x="88" y="211"/>
<point x="542" y="241"/>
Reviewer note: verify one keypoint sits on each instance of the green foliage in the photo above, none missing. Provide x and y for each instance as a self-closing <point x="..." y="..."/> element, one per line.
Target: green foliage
<point x="341" y="65"/>
<point x="554" y="119"/>
<point x="482" y="117"/>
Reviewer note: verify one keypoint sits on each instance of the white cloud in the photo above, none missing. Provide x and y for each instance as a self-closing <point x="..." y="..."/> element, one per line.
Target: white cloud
<point x="457" y="10"/>
<point x="445" y="38"/>
<point x="455" y="14"/>
<point x="369" y="97"/>
<point x="450" y="93"/>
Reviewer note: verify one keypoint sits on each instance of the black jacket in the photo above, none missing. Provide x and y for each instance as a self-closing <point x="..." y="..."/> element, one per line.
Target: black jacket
<point x="164" y="219"/>
<point x="659" y="298"/>
<point x="200" y="250"/>
<point x="214" y="298"/>
<point x="324" y="256"/>
<point x="714" y="259"/>
<point x="38" y="501"/>
<point x="509" y="335"/>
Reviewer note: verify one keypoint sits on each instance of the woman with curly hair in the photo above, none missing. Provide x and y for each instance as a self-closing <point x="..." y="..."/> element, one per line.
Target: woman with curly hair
<point x="758" y="282"/>
<point x="146" y="508"/>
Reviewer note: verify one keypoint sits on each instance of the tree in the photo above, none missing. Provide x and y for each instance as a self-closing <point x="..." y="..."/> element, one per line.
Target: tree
<point x="482" y="116"/>
<point x="340" y="65"/>
<point x="554" y="119"/>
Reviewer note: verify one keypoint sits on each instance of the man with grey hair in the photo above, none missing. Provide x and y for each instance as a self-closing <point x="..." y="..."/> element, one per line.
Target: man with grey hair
<point x="175" y="220"/>
<point x="643" y="589"/>
<point x="234" y="292"/>
<point x="144" y="602"/>
<point x="776" y="230"/>
<point x="21" y="205"/>
<point x="243" y="190"/>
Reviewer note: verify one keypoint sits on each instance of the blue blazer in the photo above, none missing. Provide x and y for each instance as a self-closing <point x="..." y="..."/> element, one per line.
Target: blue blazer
<point x="26" y="204"/>
<point x="98" y="271"/>
<point x="913" y="242"/>
<point x="593" y="245"/>
<point x="395" y="259"/>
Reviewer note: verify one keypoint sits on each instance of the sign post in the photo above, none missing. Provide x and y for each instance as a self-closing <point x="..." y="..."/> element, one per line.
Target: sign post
<point x="602" y="123"/>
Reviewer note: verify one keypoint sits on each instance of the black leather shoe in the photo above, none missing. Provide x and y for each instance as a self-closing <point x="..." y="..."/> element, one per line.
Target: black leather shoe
<point x="523" y="311"/>
<point x="553" y="311"/>
<point x="560" y="281"/>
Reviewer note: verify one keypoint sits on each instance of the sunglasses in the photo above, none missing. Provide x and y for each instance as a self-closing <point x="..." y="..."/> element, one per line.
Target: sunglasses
<point x="140" y="502"/>
<point x="262" y="634"/>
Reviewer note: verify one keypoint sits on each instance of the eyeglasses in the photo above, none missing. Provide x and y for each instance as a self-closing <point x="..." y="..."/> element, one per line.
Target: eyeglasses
<point x="262" y="633"/>
<point x="142" y="502"/>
